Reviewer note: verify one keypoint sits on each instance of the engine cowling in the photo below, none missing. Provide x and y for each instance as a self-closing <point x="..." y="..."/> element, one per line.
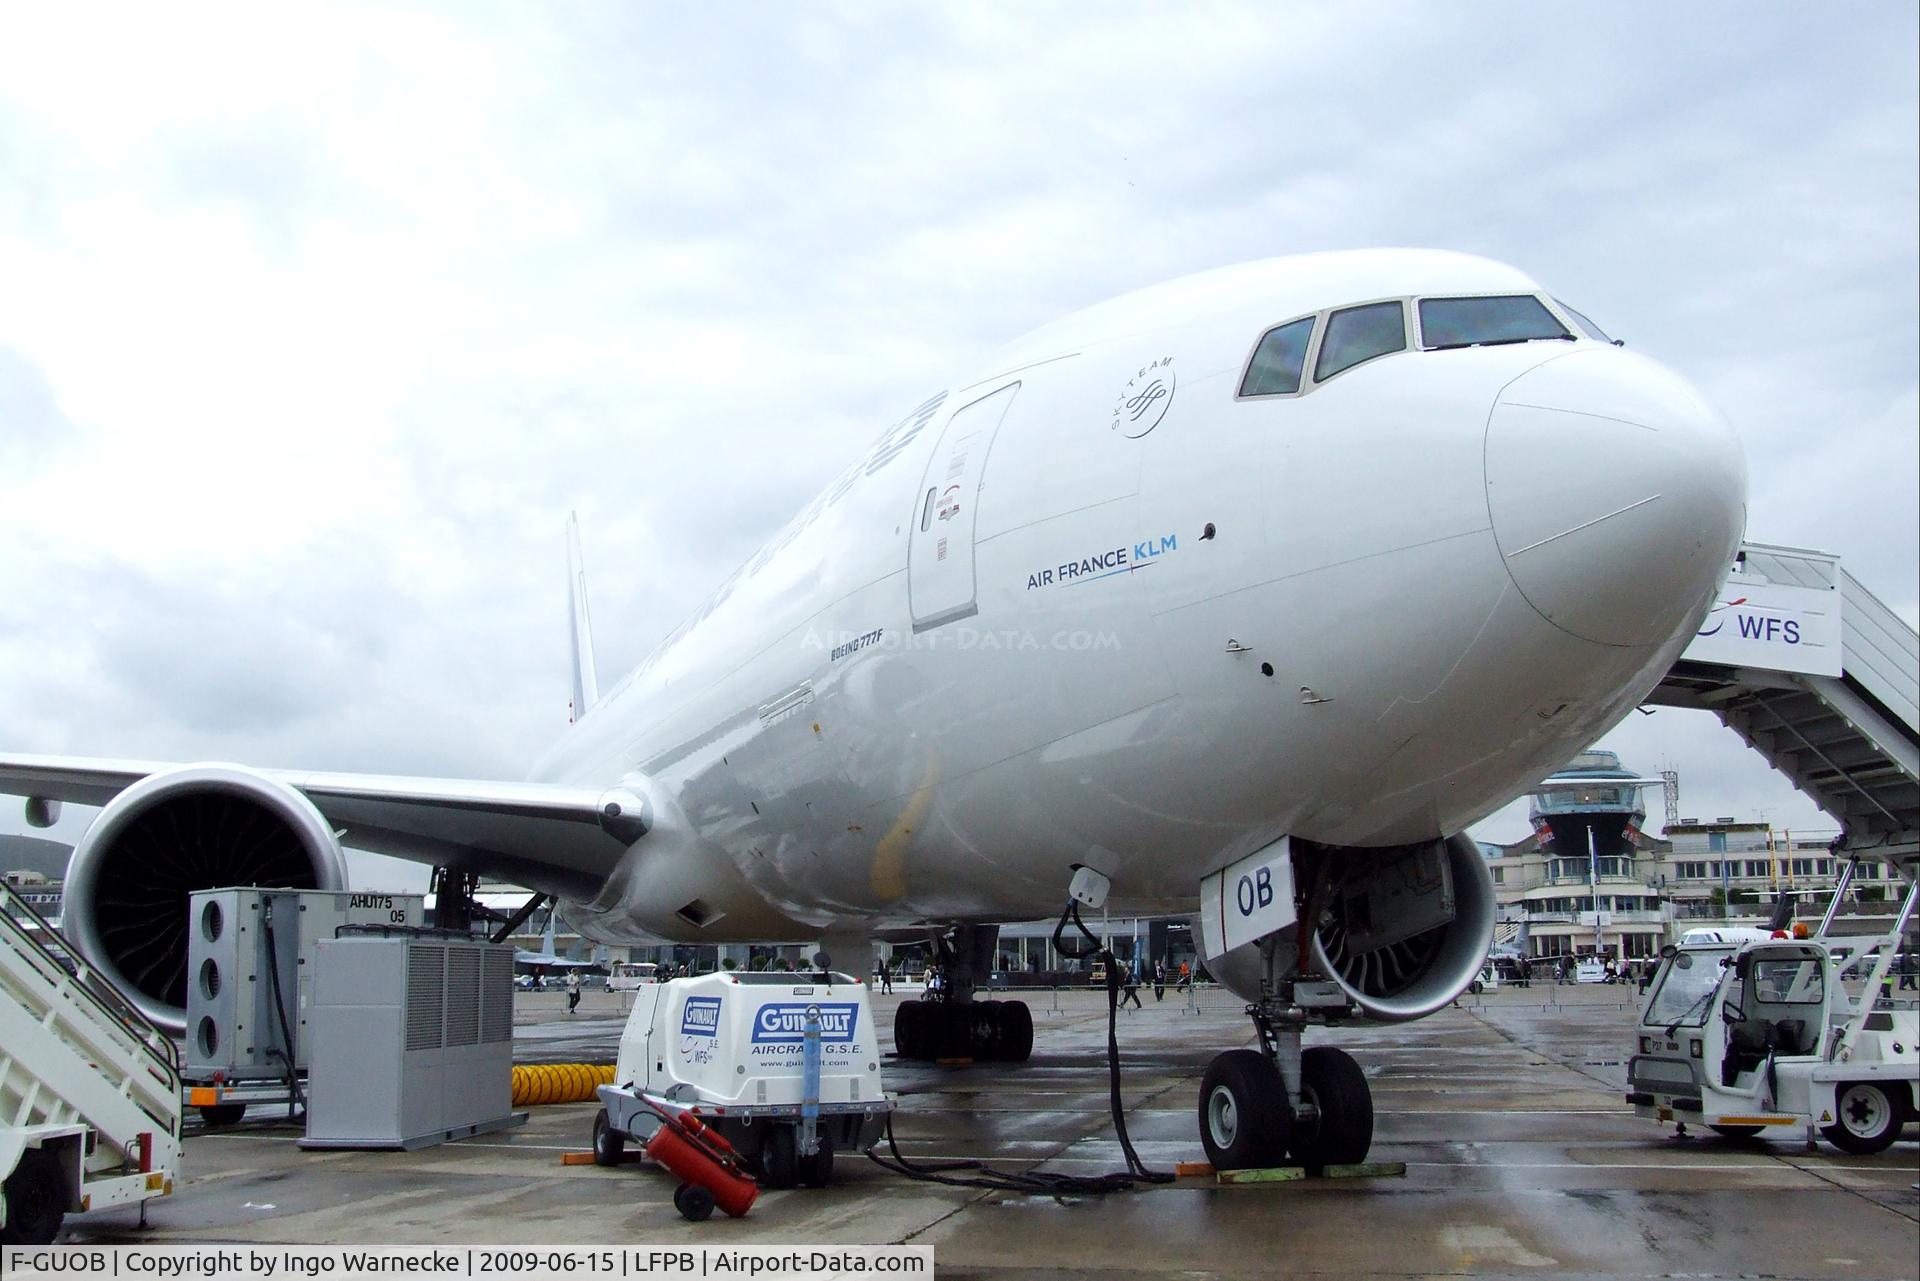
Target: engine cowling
<point x="1405" y="930"/>
<point x="194" y="828"/>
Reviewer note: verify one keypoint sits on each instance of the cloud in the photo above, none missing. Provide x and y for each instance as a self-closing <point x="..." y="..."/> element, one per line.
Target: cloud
<point x="319" y="323"/>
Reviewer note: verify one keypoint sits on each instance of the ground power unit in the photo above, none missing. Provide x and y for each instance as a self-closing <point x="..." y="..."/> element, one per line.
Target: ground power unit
<point x="250" y="963"/>
<point x="412" y="1039"/>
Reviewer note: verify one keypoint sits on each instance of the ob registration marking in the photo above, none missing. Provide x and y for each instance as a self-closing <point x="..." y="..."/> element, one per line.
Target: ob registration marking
<point x="1247" y="899"/>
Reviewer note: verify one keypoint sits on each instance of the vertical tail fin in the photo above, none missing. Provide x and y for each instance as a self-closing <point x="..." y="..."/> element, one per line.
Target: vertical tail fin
<point x="586" y="685"/>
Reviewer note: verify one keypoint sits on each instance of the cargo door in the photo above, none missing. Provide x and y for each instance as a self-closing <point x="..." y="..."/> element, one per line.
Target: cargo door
<point x="940" y="582"/>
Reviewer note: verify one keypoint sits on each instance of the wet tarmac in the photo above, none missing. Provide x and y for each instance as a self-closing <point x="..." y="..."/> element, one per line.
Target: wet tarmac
<point x="1521" y="1159"/>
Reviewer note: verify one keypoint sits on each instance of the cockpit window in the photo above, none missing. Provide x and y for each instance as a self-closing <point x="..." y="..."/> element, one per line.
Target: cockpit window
<point x="1279" y="361"/>
<point x="1486" y="322"/>
<point x="1591" y="330"/>
<point x="1359" y="334"/>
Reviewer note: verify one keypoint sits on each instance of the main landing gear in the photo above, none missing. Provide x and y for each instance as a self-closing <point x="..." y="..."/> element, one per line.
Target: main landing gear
<point x="1281" y="1104"/>
<point x="950" y="1023"/>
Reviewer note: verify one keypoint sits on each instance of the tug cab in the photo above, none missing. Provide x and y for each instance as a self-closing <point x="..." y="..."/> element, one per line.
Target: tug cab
<point x="1745" y="1034"/>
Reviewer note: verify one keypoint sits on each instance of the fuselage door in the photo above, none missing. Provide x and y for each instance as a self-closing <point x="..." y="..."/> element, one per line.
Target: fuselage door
<point x="940" y="584"/>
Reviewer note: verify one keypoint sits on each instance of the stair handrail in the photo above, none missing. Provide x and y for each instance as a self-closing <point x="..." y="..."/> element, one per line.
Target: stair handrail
<point x="90" y="983"/>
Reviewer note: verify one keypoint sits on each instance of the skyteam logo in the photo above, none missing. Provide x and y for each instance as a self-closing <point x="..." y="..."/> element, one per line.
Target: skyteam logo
<point x="784" y="1022"/>
<point x="701" y="1017"/>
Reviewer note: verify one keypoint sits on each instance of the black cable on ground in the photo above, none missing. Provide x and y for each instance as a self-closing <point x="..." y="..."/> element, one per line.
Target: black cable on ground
<point x="977" y="1174"/>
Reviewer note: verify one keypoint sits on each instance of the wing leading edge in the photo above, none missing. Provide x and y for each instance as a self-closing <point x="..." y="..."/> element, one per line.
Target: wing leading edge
<point x="560" y="839"/>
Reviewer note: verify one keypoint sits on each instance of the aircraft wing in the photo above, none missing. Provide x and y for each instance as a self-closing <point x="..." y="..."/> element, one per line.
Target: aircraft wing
<point x="557" y="838"/>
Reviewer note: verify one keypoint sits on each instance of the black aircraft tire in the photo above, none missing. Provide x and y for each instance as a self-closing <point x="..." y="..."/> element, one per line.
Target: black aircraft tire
<point x="1334" y="1084"/>
<point x="1244" y="1116"/>
<point x="1016" y="1032"/>
<point x="909" y="1030"/>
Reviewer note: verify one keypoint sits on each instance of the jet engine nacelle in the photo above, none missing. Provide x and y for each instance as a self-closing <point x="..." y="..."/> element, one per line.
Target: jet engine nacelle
<point x="1401" y="930"/>
<point x="1405" y="930"/>
<point x="193" y="828"/>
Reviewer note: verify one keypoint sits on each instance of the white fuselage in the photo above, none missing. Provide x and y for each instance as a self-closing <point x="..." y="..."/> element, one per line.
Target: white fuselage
<point x="1001" y="643"/>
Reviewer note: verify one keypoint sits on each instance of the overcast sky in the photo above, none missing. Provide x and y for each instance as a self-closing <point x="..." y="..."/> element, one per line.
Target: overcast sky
<point x="314" y="324"/>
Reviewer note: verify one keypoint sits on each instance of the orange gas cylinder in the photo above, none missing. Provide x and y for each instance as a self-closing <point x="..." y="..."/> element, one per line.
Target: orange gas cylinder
<point x="695" y="1153"/>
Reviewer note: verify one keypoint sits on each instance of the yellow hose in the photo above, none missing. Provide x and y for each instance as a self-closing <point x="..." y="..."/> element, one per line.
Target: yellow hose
<point x="539" y="1083"/>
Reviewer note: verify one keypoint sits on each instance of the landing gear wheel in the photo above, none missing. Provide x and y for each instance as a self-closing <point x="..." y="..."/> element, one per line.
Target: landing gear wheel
<point x="816" y="1171"/>
<point x="780" y="1158"/>
<point x="910" y="1023"/>
<point x="36" y="1200"/>
<point x="1244" y="1115"/>
<point x="1335" y="1085"/>
<point x="609" y="1145"/>
<point x="1736" y="1131"/>
<point x="1016" y="1032"/>
<point x="219" y="1115"/>
<point x="1868" y="1119"/>
<point x="694" y="1202"/>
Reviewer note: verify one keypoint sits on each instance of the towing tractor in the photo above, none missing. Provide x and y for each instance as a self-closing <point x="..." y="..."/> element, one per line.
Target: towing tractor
<point x="786" y="1067"/>
<point x="1742" y="1034"/>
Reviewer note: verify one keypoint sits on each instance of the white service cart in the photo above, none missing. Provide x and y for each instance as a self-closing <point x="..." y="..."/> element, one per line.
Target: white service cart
<point x="785" y="1066"/>
<point x="1742" y="1034"/>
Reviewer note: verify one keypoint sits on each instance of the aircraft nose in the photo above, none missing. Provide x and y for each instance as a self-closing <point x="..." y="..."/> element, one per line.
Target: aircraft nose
<point x="1617" y="493"/>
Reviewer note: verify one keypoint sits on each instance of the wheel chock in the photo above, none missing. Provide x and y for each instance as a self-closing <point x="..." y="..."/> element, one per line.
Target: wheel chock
<point x="1367" y="1170"/>
<point x="1191" y="1169"/>
<point x="1292" y="1173"/>
<point x="960" y="1062"/>
<point x="1278" y="1174"/>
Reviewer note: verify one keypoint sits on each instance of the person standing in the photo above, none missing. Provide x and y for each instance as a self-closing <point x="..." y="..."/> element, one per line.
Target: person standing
<point x="885" y="974"/>
<point x="1129" y="985"/>
<point x="573" y="990"/>
<point x="1159" y="981"/>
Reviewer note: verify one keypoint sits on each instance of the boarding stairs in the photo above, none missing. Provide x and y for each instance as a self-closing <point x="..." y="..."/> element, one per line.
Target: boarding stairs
<point x="1822" y="679"/>
<point x="83" y="1075"/>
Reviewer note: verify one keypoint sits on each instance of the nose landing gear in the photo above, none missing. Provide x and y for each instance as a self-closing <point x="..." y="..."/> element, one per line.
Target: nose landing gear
<point x="1283" y="1104"/>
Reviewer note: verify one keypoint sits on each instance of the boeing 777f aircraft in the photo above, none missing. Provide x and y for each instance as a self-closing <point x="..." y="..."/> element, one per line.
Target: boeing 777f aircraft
<point x="1240" y="596"/>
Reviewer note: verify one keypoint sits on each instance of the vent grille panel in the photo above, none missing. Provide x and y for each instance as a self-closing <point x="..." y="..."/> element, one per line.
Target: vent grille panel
<point x="463" y="996"/>
<point x="426" y="996"/>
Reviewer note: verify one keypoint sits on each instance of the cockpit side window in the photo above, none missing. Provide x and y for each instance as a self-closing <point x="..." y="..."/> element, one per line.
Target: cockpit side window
<point x="1486" y="322"/>
<point x="1587" y="327"/>
<point x="1359" y="334"/>
<point x="1279" y="361"/>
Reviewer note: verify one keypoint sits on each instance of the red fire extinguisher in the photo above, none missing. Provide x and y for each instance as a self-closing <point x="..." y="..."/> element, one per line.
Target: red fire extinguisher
<point x="706" y="1164"/>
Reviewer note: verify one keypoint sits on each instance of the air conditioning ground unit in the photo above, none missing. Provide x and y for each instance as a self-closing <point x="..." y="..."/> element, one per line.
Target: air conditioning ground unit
<point x="250" y="960"/>
<point x="412" y="1039"/>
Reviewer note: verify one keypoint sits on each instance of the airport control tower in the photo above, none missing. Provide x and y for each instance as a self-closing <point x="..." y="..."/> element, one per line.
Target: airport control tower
<point x="1595" y="897"/>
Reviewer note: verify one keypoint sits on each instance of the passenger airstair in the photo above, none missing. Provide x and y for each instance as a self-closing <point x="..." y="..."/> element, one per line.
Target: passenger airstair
<point x="1823" y="680"/>
<point x="89" y="1089"/>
